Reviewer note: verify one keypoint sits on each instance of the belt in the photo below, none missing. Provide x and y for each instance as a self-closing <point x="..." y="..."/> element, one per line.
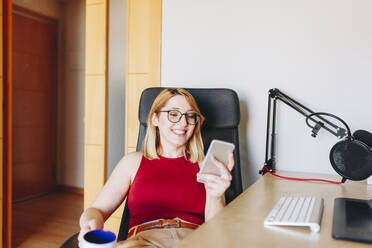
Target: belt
<point x="162" y="223"/>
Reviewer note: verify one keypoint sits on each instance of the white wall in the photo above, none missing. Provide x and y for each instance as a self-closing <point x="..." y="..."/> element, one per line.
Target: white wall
<point x="318" y="52"/>
<point x="70" y="168"/>
<point x="116" y="83"/>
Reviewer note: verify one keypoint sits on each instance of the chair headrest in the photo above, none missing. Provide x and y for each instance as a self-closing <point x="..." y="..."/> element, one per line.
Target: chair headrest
<point x="220" y="107"/>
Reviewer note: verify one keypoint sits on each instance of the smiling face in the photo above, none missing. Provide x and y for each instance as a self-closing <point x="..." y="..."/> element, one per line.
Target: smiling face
<point x="173" y="136"/>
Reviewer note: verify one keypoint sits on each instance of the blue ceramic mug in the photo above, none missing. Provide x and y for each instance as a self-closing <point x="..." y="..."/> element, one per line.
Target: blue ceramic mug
<point x="99" y="238"/>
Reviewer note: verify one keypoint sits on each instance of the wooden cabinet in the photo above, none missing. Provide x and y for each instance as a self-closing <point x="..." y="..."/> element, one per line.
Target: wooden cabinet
<point x="143" y="60"/>
<point x="143" y="71"/>
<point x="95" y="99"/>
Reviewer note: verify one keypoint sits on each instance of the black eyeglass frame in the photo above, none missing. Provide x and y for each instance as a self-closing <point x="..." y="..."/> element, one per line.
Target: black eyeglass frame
<point x="181" y="114"/>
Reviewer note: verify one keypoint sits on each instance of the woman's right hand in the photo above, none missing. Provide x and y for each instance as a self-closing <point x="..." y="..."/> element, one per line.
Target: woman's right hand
<point x="112" y="195"/>
<point x="91" y="219"/>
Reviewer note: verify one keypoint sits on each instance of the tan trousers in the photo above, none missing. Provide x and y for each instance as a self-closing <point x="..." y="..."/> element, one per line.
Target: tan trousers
<point x="156" y="238"/>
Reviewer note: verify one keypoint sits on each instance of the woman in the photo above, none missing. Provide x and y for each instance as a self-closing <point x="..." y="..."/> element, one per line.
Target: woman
<point x="162" y="179"/>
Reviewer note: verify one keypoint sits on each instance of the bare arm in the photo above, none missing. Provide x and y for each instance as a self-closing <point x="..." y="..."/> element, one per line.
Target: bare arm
<point x="111" y="195"/>
<point x="215" y="187"/>
<point x="213" y="205"/>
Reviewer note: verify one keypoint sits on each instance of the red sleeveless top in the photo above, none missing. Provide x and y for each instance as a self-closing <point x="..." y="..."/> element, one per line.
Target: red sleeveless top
<point x="166" y="188"/>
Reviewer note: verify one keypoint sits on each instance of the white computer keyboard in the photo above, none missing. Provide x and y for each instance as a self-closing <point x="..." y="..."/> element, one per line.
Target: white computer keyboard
<point x="296" y="211"/>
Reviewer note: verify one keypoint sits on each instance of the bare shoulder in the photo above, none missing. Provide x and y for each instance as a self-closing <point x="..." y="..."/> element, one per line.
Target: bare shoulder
<point x="131" y="161"/>
<point x="129" y="164"/>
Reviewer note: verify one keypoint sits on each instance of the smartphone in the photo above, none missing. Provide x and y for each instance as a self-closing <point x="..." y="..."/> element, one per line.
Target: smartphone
<point x="219" y="149"/>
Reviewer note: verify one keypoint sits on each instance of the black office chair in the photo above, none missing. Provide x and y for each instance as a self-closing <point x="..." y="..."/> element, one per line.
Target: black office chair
<point x="71" y="242"/>
<point x="220" y="108"/>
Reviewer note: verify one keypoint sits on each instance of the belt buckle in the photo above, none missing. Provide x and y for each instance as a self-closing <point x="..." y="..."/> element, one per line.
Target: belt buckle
<point x="169" y="225"/>
<point x="178" y="223"/>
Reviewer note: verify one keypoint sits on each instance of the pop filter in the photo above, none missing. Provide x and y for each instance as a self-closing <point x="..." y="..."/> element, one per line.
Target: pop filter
<point x="352" y="159"/>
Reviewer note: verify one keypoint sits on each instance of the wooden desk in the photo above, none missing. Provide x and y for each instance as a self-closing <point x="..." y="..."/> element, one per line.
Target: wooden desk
<point x="240" y="224"/>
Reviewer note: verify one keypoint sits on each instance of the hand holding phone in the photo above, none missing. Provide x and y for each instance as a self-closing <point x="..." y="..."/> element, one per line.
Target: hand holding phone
<point x="220" y="150"/>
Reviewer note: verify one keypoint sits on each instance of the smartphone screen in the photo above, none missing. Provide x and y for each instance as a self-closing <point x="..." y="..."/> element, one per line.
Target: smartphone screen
<point x="219" y="149"/>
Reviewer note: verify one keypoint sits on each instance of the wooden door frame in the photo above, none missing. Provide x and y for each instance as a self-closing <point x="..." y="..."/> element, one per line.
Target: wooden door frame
<point x="7" y="124"/>
<point x="54" y="22"/>
<point x="8" y="113"/>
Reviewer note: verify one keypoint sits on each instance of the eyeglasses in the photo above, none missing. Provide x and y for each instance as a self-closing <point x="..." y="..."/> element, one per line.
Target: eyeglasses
<point x="175" y="116"/>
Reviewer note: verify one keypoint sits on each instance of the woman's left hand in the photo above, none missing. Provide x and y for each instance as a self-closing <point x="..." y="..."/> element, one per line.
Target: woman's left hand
<point x="216" y="186"/>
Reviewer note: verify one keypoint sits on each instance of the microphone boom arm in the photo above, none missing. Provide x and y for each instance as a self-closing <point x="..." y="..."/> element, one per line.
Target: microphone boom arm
<point x="276" y="94"/>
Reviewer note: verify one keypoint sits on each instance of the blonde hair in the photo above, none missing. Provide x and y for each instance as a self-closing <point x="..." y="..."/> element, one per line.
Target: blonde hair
<point x="194" y="149"/>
